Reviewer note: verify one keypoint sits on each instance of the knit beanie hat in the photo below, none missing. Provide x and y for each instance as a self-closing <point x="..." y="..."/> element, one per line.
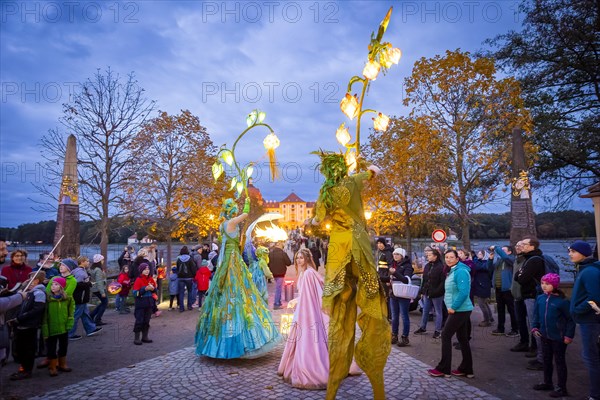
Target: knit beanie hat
<point x="61" y="281"/>
<point x="400" y="251"/>
<point x="581" y="247"/>
<point x="97" y="258"/>
<point x="142" y="267"/>
<point x="552" y="279"/>
<point x="69" y="263"/>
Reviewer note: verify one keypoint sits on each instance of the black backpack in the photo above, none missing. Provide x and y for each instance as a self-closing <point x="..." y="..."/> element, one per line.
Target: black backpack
<point x="184" y="270"/>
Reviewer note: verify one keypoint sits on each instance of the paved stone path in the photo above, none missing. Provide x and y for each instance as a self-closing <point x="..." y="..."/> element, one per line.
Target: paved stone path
<point x="183" y="375"/>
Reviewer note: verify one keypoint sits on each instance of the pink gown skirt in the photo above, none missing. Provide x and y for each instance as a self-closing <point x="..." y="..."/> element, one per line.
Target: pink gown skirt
<point x="305" y="360"/>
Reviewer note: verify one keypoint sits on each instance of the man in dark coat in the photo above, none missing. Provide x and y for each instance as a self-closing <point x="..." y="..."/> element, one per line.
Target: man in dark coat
<point x="529" y="276"/>
<point x="278" y="263"/>
<point x="384" y="258"/>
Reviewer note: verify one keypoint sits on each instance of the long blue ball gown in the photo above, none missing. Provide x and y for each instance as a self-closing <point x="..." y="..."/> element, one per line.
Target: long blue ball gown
<point x="235" y="321"/>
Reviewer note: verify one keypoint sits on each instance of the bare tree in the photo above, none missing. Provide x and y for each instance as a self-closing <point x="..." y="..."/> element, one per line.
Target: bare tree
<point x="104" y="116"/>
<point x="170" y="178"/>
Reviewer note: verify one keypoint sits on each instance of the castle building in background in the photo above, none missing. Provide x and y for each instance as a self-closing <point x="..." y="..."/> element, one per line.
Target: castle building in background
<point x="294" y="210"/>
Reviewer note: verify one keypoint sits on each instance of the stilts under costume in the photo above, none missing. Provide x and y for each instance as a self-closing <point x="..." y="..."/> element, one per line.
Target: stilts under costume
<point x="234" y="322"/>
<point x="351" y="280"/>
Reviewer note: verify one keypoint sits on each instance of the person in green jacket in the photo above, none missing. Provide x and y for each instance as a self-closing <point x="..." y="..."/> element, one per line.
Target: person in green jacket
<point x="65" y="267"/>
<point x="56" y="323"/>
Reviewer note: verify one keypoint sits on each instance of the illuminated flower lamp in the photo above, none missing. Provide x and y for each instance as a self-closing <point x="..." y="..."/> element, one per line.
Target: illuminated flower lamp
<point x="342" y="135"/>
<point x="381" y="57"/>
<point x="371" y="70"/>
<point x="381" y="122"/>
<point x="239" y="182"/>
<point x="351" y="161"/>
<point x="349" y="105"/>
<point x="271" y="142"/>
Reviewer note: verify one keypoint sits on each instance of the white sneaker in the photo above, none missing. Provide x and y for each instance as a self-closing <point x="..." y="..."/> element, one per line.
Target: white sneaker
<point x="95" y="331"/>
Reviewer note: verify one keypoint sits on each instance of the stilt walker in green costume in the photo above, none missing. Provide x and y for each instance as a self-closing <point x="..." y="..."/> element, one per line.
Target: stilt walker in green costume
<point x="351" y="279"/>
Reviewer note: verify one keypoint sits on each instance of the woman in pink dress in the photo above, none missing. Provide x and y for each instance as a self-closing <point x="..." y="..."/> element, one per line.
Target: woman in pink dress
<point x="305" y="360"/>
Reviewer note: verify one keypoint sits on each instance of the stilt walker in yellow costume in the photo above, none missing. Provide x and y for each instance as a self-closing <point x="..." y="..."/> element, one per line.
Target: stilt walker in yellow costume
<point x="351" y="279"/>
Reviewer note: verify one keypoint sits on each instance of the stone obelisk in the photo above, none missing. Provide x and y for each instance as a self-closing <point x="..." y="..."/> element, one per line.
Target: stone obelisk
<point x="67" y="220"/>
<point x="522" y="221"/>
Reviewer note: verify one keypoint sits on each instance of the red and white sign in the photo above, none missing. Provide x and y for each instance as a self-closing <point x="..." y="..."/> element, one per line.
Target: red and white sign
<point x="438" y="236"/>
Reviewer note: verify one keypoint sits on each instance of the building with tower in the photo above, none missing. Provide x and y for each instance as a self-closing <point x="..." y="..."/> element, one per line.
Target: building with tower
<point x="294" y="210"/>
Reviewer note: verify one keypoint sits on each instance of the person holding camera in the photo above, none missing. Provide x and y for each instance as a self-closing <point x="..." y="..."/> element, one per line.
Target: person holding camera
<point x="529" y="276"/>
<point x="500" y="263"/>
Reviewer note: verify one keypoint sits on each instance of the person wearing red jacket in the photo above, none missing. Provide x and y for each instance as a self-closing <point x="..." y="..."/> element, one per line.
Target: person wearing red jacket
<point x="121" y="299"/>
<point x="17" y="271"/>
<point x="144" y="289"/>
<point x="202" y="280"/>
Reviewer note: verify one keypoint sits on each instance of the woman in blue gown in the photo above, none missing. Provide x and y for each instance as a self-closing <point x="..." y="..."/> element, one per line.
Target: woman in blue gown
<point x="234" y="322"/>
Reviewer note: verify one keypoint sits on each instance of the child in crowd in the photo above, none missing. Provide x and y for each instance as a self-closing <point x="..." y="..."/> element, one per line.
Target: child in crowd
<point x="121" y="298"/>
<point x="98" y="278"/>
<point x="143" y="290"/>
<point x="57" y="321"/>
<point x="81" y="297"/>
<point x="161" y="274"/>
<point x="173" y="288"/>
<point x="202" y="279"/>
<point x="26" y="325"/>
<point x="552" y="323"/>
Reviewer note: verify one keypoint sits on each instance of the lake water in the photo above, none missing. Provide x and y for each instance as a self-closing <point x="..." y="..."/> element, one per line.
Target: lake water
<point x="555" y="248"/>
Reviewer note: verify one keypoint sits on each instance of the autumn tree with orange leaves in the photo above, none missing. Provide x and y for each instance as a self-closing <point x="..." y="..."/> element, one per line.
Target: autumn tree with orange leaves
<point x="472" y="113"/>
<point x="170" y="182"/>
<point x="413" y="183"/>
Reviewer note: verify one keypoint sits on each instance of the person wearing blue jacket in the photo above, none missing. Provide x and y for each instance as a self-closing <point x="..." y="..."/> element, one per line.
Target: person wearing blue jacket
<point x="501" y="268"/>
<point x="482" y="287"/>
<point x="552" y="323"/>
<point x="456" y="297"/>
<point x="585" y="291"/>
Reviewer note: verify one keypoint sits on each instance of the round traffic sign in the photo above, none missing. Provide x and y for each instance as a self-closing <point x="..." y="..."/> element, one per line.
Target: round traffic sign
<point x="438" y="236"/>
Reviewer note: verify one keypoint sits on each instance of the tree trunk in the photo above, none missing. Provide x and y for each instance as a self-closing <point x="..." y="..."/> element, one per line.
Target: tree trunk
<point x="408" y="234"/>
<point x="466" y="237"/>
<point x="104" y="240"/>
<point x="169" y="248"/>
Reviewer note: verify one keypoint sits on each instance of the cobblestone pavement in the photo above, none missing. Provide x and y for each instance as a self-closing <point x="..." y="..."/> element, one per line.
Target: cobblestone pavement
<point x="184" y="375"/>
